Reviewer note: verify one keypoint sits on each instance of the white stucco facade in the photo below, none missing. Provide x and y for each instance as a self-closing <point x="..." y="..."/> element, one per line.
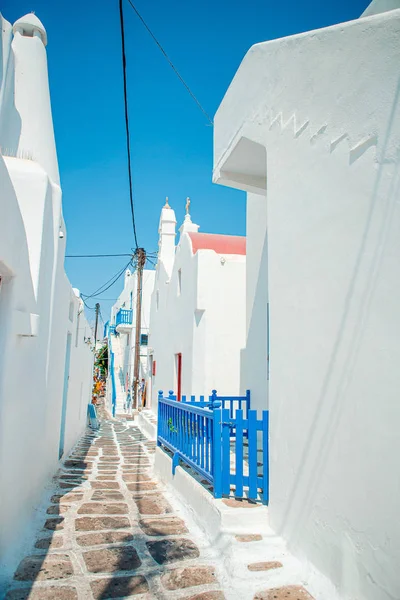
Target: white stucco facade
<point x="124" y="344"/>
<point x="45" y="354"/>
<point x="310" y="128"/>
<point x="197" y="311"/>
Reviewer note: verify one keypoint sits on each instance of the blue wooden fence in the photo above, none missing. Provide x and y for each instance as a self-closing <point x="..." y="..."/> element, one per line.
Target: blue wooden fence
<point x="226" y="450"/>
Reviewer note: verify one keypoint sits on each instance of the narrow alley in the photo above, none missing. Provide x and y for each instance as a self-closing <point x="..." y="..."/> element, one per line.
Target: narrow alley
<point x="199" y="292"/>
<point x="112" y="533"/>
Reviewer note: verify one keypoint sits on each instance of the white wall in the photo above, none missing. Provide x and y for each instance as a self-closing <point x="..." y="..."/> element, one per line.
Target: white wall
<point x="35" y="298"/>
<point x="205" y="322"/>
<point x="319" y="116"/>
<point x="254" y="371"/>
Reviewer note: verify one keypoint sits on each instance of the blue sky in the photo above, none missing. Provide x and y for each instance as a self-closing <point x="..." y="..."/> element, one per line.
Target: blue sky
<point x="171" y="141"/>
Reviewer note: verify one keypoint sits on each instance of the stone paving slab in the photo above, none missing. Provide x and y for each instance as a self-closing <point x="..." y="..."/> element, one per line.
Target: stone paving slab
<point x="289" y="592"/>
<point x="67" y="497"/>
<point x="264" y="566"/>
<point x="167" y="551"/>
<point x="164" y="526"/>
<point x="100" y="508"/>
<point x="49" y="543"/>
<point x="109" y="560"/>
<point x="142" y="486"/>
<point x="104" y="537"/>
<point x="43" y="567"/>
<point x="119" y="587"/>
<point x="154" y="504"/>
<point x="96" y="523"/>
<point x="217" y="595"/>
<point x="107" y="496"/>
<point x="48" y="593"/>
<point x="57" y="509"/>
<point x="185" y="577"/>
<point x="54" y="524"/>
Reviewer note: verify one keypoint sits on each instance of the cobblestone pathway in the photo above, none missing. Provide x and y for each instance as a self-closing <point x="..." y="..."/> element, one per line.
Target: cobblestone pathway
<point x="111" y="531"/>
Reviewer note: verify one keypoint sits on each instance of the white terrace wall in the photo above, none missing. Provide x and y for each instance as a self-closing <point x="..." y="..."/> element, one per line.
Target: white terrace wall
<point x="204" y="322"/>
<point x="319" y="133"/>
<point x="254" y="357"/>
<point x="38" y="308"/>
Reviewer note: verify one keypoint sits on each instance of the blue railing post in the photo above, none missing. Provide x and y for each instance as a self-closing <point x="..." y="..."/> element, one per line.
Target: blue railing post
<point x="252" y="439"/>
<point x="226" y="453"/>
<point x="265" y="437"/>
<point x="217" y="448"/>
<point x="159" y="419"/>
<point x="171" y="395"/>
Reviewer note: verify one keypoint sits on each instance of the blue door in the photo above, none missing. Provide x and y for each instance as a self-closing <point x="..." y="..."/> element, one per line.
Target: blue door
<point x="65" y="395"/>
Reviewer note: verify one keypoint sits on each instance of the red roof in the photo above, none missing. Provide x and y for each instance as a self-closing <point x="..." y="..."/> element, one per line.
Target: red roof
<point x="221" y="244"/>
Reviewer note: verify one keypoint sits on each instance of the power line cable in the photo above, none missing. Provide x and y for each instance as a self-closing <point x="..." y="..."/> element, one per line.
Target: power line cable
<point x="111" y="284"/>
<point x="87" y="305"/>
<point x="106" y="299"/>
<point x="170" y="63"/>
<point x="93" y="255"/>
<point x="128" y="142"/>
<point x="111" y="281"/>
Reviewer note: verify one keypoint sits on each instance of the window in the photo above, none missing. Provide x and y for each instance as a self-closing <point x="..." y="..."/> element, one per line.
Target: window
<point x="144" y="339"/>
<point x="179" y="282"/>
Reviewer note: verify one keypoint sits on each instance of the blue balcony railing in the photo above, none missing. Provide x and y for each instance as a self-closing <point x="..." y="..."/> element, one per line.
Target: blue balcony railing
<point x="124" y="317"/>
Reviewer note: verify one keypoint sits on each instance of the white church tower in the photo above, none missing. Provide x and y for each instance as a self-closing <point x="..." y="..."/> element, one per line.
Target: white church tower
<point x="166" y="242"/>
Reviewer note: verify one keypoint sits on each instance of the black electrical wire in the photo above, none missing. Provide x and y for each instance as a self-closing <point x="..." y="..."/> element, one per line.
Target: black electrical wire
<point x="103" y="288"/>
<point x="170" y="62"/>
<point x="110" y="285"/>
<point x="93" y="255"/>
<point x="128" y="142"/>
<point x="87" y="305"/>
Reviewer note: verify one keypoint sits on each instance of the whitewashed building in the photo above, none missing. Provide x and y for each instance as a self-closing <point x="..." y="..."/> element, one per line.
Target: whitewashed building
<point x="123" y="322"/>
<point x="197" y="319"/>
<point x="310" y="129"/>
<point x="45" y="341"/>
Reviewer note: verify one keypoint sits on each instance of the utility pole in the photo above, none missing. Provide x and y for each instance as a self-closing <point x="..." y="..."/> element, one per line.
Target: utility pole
<point x="140" y="260"/>
<point x="97" y="308"/>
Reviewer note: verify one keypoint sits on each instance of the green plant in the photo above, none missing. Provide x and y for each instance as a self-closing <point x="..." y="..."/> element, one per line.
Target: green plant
<point x="171" y="426"/>
<point x="102" y="360"/>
